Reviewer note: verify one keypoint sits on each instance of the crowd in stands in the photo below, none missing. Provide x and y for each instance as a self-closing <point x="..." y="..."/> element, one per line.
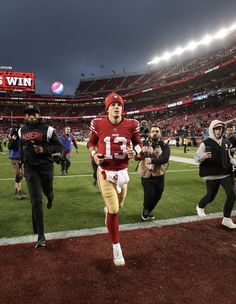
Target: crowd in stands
<point x="167" y="74"/>
<point x="178" y="120"/>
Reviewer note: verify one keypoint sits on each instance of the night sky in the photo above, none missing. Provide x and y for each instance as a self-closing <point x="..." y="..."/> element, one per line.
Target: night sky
<point x="60" y="40"/>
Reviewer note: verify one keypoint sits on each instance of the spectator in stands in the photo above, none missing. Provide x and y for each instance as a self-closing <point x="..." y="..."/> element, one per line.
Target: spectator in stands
<point x="38" y="142"/>
<point x="216" y="169"/>
<point x="110" y="146"/>
<point x="67" y="140"/>
<point x="152" y="167"/>
<point x="14" y="155"/>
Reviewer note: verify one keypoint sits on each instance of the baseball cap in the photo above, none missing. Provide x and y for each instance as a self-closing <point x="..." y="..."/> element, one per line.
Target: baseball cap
<point x="219" y="125"/>
<point x="113" y="97"/>
<point x="32" y="109"/>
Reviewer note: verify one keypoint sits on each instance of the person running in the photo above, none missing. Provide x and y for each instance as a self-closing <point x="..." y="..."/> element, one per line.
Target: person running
<point x="110" y="145"/>
<point x="215" y="168"/>
<point x="68" y="140"/>
<point x="38" y="142"/>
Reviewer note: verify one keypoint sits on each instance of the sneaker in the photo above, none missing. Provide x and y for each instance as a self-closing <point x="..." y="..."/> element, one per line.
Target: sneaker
<point x="105" y="212"/>
<point x="228" y="222"/>
<point x="145" y="215"/>
<point x="118" y="258"/>
<point x="20" y="195"/>
<point x="41" y="242"/>
<point x="200" y="211"/>
<point x="49" y="204"/>
<point x="151" y="216"/>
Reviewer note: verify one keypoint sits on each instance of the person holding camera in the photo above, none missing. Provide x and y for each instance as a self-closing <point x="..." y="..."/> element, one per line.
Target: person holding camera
<point x="152" y="167"/>
<point x="110" y="146"/>
<point x="14" y="156"/>
<point x="216" y="169"/>
<point x="38" y="142"/>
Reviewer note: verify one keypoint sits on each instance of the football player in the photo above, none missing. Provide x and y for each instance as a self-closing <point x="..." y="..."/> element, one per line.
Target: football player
<point x="111" y="145"/>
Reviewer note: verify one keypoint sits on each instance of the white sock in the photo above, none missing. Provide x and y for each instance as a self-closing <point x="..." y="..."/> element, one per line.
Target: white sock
<point x="116" y="246"/>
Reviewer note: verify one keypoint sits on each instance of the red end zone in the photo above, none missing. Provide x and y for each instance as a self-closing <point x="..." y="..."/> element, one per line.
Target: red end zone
<point x="185" y="263"/>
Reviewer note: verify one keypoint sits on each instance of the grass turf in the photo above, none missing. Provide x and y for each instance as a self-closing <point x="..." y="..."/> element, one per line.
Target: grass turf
<point x="78" y="203"/>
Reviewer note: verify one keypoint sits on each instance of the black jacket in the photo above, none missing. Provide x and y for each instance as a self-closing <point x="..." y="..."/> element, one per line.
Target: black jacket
<point x="42" y="135"/>
<point x="219" y="163"/>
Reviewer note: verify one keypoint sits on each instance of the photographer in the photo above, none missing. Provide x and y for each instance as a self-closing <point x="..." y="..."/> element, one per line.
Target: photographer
<point x="14" y="147"/>
<point x="152" y="167"/>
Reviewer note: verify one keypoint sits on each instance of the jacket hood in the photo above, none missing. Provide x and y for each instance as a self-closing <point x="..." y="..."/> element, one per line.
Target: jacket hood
<point x="213" y="124"/>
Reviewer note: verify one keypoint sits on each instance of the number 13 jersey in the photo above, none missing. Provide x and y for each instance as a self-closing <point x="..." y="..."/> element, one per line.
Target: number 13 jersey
<point x="113" y="140"/>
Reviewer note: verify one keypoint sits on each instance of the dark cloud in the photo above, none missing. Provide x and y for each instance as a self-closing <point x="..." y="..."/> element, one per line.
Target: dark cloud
<point x="59" y="40"/>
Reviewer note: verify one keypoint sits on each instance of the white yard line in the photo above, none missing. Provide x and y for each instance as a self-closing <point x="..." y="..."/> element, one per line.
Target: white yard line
<point x="102" y="230"/>
<point x="184" y="160"/>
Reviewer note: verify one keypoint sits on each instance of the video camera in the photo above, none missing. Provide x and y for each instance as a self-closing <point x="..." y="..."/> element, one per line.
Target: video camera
<point x="14" y="130"/>
<point x="144" y="129"/>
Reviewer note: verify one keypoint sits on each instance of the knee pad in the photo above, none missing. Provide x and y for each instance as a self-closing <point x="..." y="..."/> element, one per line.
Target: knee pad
<point x="18" y="178"/>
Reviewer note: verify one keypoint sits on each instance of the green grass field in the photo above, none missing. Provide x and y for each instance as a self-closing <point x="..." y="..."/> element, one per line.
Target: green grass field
<point x="78" y="203"/>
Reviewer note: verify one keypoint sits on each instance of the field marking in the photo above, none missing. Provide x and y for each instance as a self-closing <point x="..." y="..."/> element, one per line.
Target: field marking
<point x="184" y="160"/>
<point x="87" y="175"/>
<point x="102" y="230"/>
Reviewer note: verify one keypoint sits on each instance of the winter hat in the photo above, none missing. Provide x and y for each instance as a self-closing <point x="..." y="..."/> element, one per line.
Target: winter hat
<point x="113" y="97"/>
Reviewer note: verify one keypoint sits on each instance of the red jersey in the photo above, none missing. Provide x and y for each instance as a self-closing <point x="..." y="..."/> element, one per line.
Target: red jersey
<point x="113" y="140"/>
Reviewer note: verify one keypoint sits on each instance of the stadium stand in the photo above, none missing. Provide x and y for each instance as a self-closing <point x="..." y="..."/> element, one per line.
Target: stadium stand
<point x="181" y="97"/>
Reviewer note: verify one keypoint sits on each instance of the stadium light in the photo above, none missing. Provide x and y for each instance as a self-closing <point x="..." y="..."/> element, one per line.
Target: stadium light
<point x="192" y="45"/>
<point x="206" y="40"/>
<point x="166" y="56"/>
<point x="221" y="34"/>
<point x="178" y="51"/>
<point x="233" y="27"/>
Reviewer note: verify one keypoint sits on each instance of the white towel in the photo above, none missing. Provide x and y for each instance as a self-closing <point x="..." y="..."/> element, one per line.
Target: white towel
<point x="119" y="178"/>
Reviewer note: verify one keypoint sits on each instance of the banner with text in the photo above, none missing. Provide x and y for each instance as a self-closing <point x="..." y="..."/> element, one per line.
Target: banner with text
<point x="17" y="81"/>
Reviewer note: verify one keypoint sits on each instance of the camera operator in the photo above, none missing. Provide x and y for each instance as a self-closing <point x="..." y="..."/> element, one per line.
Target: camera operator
<point x="14" y="147"/>
<point x="152" y="167"/>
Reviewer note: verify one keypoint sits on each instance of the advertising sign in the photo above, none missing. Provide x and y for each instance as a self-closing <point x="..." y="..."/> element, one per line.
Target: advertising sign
<point x="17" y="81"/>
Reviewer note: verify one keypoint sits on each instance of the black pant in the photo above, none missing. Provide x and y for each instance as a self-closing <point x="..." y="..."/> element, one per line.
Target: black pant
<point x="39" y="179"/>
<point x="65" y="164"/>
<point x="212" y="189"/>
<point x="95" y="167"/>
<point x="153" y="188"/>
